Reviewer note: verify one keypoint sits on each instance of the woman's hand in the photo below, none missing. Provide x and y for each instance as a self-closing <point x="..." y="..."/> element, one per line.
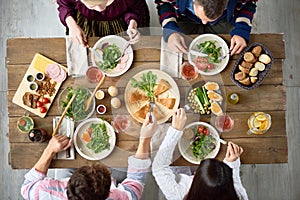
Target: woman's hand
<point x="176" y="43"/>
<point x="59" y="143"/>
<point x="75" y="32"/>
<point x="132" y="32"/>
<point x="233" y="152"/>
<point x="179" y="119"/>
<point x="237" y="44"/>
<point x="148" y="129"/>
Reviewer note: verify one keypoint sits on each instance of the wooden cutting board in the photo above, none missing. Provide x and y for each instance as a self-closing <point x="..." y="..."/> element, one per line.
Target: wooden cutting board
<point x="38" y="64"/>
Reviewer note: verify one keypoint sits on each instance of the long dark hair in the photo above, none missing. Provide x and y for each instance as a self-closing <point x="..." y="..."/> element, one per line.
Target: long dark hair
<point x="213" y="180"/>
<point x="89" y="183"/>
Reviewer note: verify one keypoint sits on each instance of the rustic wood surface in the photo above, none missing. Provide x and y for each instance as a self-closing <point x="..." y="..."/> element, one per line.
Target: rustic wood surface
<point x="269" y="97"/>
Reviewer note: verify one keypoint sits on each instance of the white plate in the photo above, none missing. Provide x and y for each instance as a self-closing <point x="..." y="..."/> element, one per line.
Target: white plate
<point x="173" y="92"/>
<point x="185" y="147"/>
<point x="81" y="147"/>
<point x="119" y="42"/>
<point x="220" y="43"/>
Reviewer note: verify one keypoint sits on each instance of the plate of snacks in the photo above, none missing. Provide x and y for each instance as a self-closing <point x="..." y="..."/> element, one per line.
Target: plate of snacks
<point x="252" y="66"/>
<point x="94" y="139"/>
<point x="110" y="48"/>
<point x="205" y="98"/>
<point x="209" y="53"/>
<point x="199" y="141"/>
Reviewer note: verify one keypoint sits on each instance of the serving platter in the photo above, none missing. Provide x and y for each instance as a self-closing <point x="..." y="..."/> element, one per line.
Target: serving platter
<point x="80" y="146"/>
<point x="219" y="67"/>
<point x="184" y="144"/>
<point x="38" y="64"/>
<point x="173" y="92"/>
<point x="121" y="44"/>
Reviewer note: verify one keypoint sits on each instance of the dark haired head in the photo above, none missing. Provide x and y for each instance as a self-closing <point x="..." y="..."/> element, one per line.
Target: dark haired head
<point x="212" y="8"/>
<point x="89" y="183"/>
<point x="213" y="180"/>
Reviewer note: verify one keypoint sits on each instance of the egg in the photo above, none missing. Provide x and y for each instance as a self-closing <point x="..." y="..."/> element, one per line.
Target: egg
<point x="113" y="91"/>
<point x="115" y="102"/>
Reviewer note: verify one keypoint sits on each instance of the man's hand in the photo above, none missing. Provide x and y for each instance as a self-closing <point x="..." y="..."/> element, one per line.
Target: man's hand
<point x="148" y="129"/>
<point x="59" y="143"/>
<point x="75" y="32"/>
<point x="233" y="152"/>
<point x="179" y="119"/>
<point x="176" y="43"/>
<point x="237" y="44"/>
<point x="132" y="32"/>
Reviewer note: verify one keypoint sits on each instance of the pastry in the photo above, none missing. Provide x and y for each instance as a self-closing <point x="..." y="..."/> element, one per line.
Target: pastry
<point x="264" y="58"/>
<point x="259" y="66"/>
<point x="163" y="86"/>
<point x="253" y="79"/>
<point x="249" y="57"/>
<point x="244" y="69"/>
<point x="166" y="102"/>
<point x="253" y="72"/>
<point x="247" y="65"/>
<point x="256" y="51"/>
<point x="239" y="76"/>
<point x="245" y="81"/>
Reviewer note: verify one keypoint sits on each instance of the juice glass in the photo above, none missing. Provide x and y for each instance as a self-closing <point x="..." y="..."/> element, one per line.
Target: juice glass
<point x="224" y="123"/>
<point x="259" y="123"/>
<point x="120" y="123"/>
<point x="94" y="74"/>
<point x="188" y="71"/>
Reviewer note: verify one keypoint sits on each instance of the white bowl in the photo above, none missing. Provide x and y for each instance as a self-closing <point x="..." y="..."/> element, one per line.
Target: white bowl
<point x="185" y="147"/>
<point x="119" y="42"/>
<point x="220" y="43"/>
<point x="81" y="147"/>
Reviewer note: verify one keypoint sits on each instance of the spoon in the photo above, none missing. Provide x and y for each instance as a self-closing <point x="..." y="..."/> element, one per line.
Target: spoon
<point x="89" y="100"/>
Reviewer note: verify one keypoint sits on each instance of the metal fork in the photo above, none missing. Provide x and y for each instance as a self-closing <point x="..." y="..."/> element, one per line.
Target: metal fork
<point x="152" y="105"/>
<point x="200" y="54"/>
<point x="126" y="46"/>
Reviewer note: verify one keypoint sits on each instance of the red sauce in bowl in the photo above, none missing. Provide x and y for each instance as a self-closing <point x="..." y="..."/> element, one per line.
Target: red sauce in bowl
<point x="188" y="71"/>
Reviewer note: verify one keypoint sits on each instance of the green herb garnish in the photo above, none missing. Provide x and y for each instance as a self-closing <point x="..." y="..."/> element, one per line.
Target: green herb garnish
<point x="147" y="84"/>
<point x="110" y="54"/>
<point x="209" y="48"/>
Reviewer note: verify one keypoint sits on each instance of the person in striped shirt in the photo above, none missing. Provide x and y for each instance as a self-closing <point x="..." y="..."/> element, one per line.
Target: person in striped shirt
<point x="206" y="16"/>
<point x="90" y="182"/>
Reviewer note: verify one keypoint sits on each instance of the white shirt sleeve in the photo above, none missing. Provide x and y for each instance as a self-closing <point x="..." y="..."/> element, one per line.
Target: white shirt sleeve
<point x="239" y="188"/>
<point x="173" y="187"/>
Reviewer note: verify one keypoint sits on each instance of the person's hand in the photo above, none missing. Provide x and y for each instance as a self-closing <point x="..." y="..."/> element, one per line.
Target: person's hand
<point x="176" y="43"/>
<point x="179" y="118"/>
<point x="75" y="32"/>
<point x="148" y="129"/>
<point x="233" y="152"/>
<point x="132" y="32"/>
<point x="237" y="44"/>
<point x="59" y="143"/>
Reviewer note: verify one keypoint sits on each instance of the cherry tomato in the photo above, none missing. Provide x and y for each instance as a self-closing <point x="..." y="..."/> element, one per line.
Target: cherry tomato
<point x="205" y="131"/>
<point x="210" y="66"/>
<point x="22" y="122"/>
<point x="200" y="129"/>
<point x="89" y="130"/>
<point x="43" y="109"/>
<point x="39" y="104"/>
<point x="45" y="100"/>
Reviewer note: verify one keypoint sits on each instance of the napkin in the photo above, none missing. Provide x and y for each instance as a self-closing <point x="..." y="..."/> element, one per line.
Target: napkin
<point x="66" y="128"/>
<point x="77" y="60"/>
<point x="170" y="61"/>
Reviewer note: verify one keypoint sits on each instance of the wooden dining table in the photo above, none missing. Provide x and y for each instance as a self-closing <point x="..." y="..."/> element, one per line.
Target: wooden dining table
<point x="269" y="97"/>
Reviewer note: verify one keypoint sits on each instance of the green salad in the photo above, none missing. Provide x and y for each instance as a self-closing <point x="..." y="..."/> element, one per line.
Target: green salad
<point x="77" y="110"/>
<point x="203" y="143"/>
<point x="210" y="48"/>
<point x="110" y="54"/>
<point x="99" y="137"/>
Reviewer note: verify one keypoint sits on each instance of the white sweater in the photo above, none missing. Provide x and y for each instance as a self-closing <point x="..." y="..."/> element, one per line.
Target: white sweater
<point x="175" y="187"/>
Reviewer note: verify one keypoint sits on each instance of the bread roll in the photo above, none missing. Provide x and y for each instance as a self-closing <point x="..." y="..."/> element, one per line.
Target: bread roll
<point x="264" y="58"/>
<point x="244" y="69"/>
<point x="253" y="79"/>
<point x="253" y="72"/>
<point x="259" y="66"/>
<point x="239" y="76"/>
<point x="249" y="57"/>
<point x="245" y="81"/>
<point x="256" y="51"/>
<point x="246" y="64"/>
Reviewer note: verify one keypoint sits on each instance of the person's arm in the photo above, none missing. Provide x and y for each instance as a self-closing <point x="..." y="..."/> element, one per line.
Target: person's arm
<point x="164" y="176"/>
<point x="66" y="8"/>
<point x="138" y="11"/>
<point x="35" y="179"/>
<point x="242" y="27"/>
<point x="232" y="159"/>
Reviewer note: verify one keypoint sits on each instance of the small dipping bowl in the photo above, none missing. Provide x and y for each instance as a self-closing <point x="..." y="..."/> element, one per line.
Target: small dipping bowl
<point x="101" y="109"/>
<point x="39" y="76"/>
<point x="99" y="94"/>
<point x="33" y="86"/>
<point x="25" y="124"/>
<point x="29" y="78"/>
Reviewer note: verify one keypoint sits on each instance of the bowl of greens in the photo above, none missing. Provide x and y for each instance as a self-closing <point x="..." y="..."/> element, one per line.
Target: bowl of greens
<point x="109" y="56"/>
<point x="94" y="139"/>
<point x="209" y="53"/>
<point x="199" y="141"/>
<point x="76" y="111"/>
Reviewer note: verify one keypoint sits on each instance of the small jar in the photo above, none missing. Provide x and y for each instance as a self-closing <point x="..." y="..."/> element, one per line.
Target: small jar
<point x="233" y="98"/>
<point x="37" y="135"/>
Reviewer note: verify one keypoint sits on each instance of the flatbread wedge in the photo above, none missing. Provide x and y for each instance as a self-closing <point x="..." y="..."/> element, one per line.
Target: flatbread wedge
<point x="142" y="112"/>
<point x="163" y="86"/>
<point x="137" y="96"/>
<point x="167" y="102"/>
<point x="158" y="114"/>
